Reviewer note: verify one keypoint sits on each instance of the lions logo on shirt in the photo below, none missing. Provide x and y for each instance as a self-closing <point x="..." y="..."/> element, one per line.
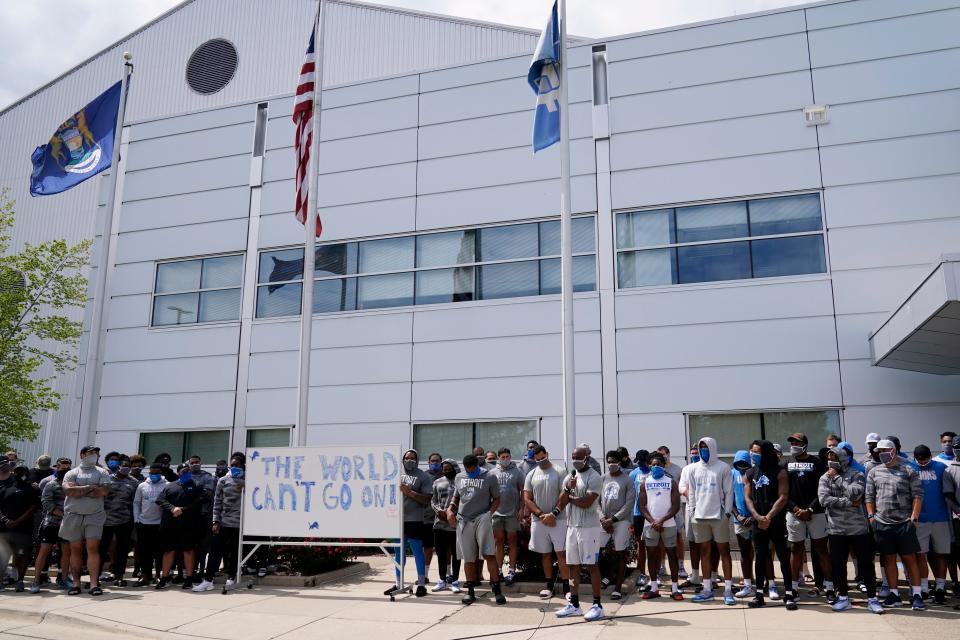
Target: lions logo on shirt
<point x="762" y="481"/>
<point x="611" y="491"/>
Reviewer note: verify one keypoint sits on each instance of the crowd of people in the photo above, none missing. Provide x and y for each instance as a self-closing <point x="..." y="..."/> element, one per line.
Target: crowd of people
<point x="87" y="518"/>
<point x="774" y="500"/>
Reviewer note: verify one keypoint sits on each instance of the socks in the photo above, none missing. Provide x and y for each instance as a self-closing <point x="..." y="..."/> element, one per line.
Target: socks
<point x="747" y="582"/>
<point x="728" y="586"/>
<point x="915" y="590"/>
<point x="674" y="587"/>
<point x="565" y="585"/>
<point x="707" y="585"/>
<point x="575" y="600"/>
<point x="655" y="586"/>
<point x="925" y="584"/>
<point x="695" y="575"/>
<point x="421" y="581"/>
<point x="596" y="601"/>
<point x="828" y="585"/>
<point x="941" y="583"/>
<point x="796" y="585"/>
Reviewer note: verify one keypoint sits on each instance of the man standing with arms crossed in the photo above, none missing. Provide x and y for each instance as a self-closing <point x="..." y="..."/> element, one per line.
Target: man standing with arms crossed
<point x="83" y="516"/>
<point x="710" y="490"/>
<point x="548" y="522"/>
<point x="506" y="520"/>
<point x="581" y="490"/>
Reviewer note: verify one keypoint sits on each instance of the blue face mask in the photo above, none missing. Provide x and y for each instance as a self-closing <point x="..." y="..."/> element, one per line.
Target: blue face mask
<point x="474" y="474"/>
<point x="644" y="469"/>
<point x="185" y="478"/>
<point x="113" y="465"/>
<point x="705" y="454"/>
<point x="434" y="467"/>
<point x="154" y="477"/>
<point x="530" y="454"/>
<point x="236" y="472"/>
<point x="755" y="459"/>
<point x="656" y="472"/>
<point x="694" y="459"/>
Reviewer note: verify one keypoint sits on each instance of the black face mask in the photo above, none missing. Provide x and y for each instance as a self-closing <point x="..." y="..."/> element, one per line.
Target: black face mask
<point x="221" y="471"/>
<point x="451" y="475"/>
<point x="61" y="474"/>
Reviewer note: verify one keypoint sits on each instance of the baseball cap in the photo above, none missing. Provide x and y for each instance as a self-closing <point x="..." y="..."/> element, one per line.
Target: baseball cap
<point x="886" y="444"/>
<point x="43" y="462"/>
<point x="89" y="447"/>
<point x="65" y="461"/>
<point x="872" y="437"/>
<point x="779" y="449"/>
<point x="797" y="437"/>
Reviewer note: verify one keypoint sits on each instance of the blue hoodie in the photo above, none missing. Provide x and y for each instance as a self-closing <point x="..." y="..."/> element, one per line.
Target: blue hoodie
<point x="739" y="501"/>
<point x="934" y="508"/>
<point x="852" y="463"/>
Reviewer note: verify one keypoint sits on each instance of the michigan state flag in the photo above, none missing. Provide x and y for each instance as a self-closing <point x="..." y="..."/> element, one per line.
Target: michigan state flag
<point x="544" y="79"/>
<point x="79" y="149"/>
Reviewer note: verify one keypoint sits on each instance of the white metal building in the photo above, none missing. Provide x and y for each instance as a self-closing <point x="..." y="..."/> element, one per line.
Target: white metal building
<point x="733" y="258"/>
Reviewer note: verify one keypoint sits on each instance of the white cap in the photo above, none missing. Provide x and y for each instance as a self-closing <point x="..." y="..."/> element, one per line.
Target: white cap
<point x="872" y="437"/>
<point x="886" y="444"/>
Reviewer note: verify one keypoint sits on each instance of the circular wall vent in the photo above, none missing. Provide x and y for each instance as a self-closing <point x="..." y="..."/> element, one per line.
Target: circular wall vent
<point x="212" y="66"/>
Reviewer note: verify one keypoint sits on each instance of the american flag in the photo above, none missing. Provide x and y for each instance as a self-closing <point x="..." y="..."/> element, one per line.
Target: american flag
<point x="303" y="118"/>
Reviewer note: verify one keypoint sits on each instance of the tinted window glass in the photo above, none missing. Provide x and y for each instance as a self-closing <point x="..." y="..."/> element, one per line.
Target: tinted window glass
<point x="445" y="285"/>
<point x="506" y="243"/>
<point x="788" y="256"/>
<point x="583" y="236"/>
<point x="795" y="214"/>
<point x="176" y="309"/>
<point x="178" y="276"/>
<point x="712" y="262"/>
<point x="393" y="290"/>
<point x="334" y="295"/>
<point x="278" y="300"/>
<point x="278" y="266"/>
<point x="647" y="268"/>
<point x="335" y="260"/>
<point x="712" y="222"/>
<point x="645" y="229"/>
<point x="584" y="275"/>
<point x="510" y="280"/>
<point x="389" y="254"/>
<point x="226" y="271"/>
<point x="220" y="306"/>
<point x="443" y="249"/>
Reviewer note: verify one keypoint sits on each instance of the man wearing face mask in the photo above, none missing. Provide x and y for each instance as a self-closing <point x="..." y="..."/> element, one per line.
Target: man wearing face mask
<point x="894" y="499"/>
<point x="953" y="499"/>
<point x="805" y="517"/>
<point x="872" y="457"/>
<point x="208" y="483"/>
<point x="506" y="519"/>
<point x="227" y="501"/>
<point x="51" y="501"/>
<point x="674" y="471"/>
<point x="118" y="505"/>
<point x="637" y="476"/>
<point x="221" y="470"/>
<point x="168" y="474"/>
<point x="626" y="462"/>
<point x="444" y="534"/>
<point x="476" y="498"/>
<point x="616" y="511"/>
<point x="416" y="485"/>
<point x="18" y="501"/>
<point x="934" y="529"/>
<point x="548" y="522"/>
<point x="85" y="488"/>
<point x="743" y="522"/>
<point x="684" y="486"/>
<point x="528" y="463"/>
<point x="147" y="515"/>
<point x="434" y="461"/>
<point x="710" y="489"/>
<point x="580" y="496"/>
<point x="591" y="461"/>
<point x="491" y="460"/>
<point x="659" y="500"/>
<point x="181" y="522"/>
<point x="137" y="464"/>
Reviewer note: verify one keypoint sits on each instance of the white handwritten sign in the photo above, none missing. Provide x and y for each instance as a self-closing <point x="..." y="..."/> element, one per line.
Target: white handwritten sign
<point x="323" y="492"/>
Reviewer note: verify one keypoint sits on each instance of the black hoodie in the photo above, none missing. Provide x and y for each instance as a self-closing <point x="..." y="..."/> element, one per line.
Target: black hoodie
<point x="764" y="480"/>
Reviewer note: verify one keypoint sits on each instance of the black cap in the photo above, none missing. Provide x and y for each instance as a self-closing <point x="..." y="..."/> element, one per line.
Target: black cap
<point x="798" y="437"/>
<point x="89" y="447"/>
<point x="65" y="461"/>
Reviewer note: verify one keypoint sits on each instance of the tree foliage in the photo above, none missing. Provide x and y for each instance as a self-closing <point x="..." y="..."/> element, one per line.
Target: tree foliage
<point x="38" y="286"/>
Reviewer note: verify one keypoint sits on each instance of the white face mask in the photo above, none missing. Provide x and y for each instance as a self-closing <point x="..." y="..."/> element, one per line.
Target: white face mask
<point x="90" y="460"/>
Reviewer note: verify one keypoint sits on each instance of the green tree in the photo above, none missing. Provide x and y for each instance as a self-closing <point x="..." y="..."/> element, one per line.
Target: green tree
<point x="38" y="286"/>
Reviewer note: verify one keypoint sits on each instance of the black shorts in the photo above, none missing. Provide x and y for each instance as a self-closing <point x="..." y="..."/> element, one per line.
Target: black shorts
<point x="50" y="534"/>
<point x="20" y="542"/>
<point x="180" y="539"/>
<point x="896" y="538"/>
<point x="418" y="531"/>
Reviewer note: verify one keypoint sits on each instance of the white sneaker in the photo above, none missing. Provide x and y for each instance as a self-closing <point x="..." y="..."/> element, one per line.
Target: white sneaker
<point x="206" y="585"/>
<point x="569" y="611"/>
<point x="230" y="584"/>
<point x="595" y="613"/>
<point x="441" y="586"/>
<point x="455" y="586"/>
<point x="746" y="592"/>
<point x="682" y="573"/>
<point x="774" y="593"/>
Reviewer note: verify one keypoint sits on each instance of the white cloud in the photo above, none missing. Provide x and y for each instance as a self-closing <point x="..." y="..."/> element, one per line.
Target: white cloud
<point x="44" y="38"/>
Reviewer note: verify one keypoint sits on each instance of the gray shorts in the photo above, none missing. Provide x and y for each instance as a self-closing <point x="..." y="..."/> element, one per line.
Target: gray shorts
<point x="716" y="529"/>
<point x="510" y="524"/>
<point x="745" y="532"/>
<point x="76" y="526"/>
<point x="681" y="520"/>
<point x="815" y="528"/>
<point x="475" y="538"/>
<point x="687" y="524"/>
<point x="934" y="537"/>
<point x="653" y="538"/>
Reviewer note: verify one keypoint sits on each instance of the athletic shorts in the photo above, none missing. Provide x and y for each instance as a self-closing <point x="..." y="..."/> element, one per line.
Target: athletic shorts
<point x="688" y="525"/>
<point x="544" y="539"/>
<point x="745" y="532"/>
<point x="20" y="543"/>
<point x="934" y="537"/>
<point x="896" y="538"/>
<point x="475" y="538"/>
<point x="583" y="545"/>
<point x="417" y="531"/>
<point x="653" y="538"/>
<point x="707" y="529"/>
<point x="180" y="539"/>
<point x="510" y="524"/>
<point x="681" y="519"/>
<point x="815" y="528"/>
<point x="50" y="534"/>
<point x="620" y="536"/>
<point x="77" y="527"/>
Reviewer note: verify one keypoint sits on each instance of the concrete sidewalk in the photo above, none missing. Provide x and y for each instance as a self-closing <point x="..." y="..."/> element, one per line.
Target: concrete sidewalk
<point x="356" y="607"/>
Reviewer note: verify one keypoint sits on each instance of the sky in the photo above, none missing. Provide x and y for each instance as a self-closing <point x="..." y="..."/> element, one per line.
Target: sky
<point x="28" y="61"/>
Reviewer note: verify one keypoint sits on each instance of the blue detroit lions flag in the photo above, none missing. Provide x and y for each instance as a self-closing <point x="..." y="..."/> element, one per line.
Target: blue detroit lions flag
<point x="544" y="79"/>
<point x="79" y="149"/>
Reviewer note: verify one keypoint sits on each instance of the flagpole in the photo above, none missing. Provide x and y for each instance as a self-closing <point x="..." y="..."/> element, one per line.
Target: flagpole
<point x="310" y="226"/>
<point x="90" y="400"/>
<point x="566" y="247"/>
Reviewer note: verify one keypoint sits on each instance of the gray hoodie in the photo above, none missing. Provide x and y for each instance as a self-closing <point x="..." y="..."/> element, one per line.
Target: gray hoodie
<point x="837" y="496"/>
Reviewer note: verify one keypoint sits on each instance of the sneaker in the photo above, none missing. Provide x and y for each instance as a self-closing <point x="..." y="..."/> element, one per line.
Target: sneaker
<point x="650" y="595"/>
<point x="790" y="604"/>
<point x="884" y="592"/>
<point x="663" y="571"/>
<point x="683" y="573"/>
<point x="728" y="599"/>
<point x="939" y="596"/>
<point x="874" y="605"/>
<point x="924" y="595"/>
<point x="917" y="603"/>
<point x="177" y="579"/>
<point x="746" y="592"/>
<point x="163" y="584"/>
<point x="187" y="583"/>
<point x="616" y="595"/>
<point x="676" y="595"/>
<point x="511" y="576"/>
<point x="642" y="579"/>
<point x="19" y="588"/>
<point x="34" y="587"/>
<point x="229" y="584"/>
<point x="455" y="586"/>
<point x="704" y="596"/>
<point x="468" y="599"/>
<point x="956" y="589"/>
<point x="440" y="586"/>
<point x="802" y="581"/>
<point x="569" y="611"/>
<point x="205" y="585"/>
<point x="142" y="582"/>
<point x="862" y="587"/>
<point x="595" y="613"/>
<point x="842" y="604"/>
<point x="421" y="590"/>
<point x="892" y="601"/>
<point x="757" y="602"/>
<point x="686" y="584"/>
<point x="392" y="589"/>
<point x="831" y="597"/>
<point x="774" y="594"/>
<point x="499" y="598"/>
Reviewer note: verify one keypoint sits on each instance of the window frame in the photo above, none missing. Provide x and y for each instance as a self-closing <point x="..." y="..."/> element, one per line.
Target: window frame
<point x="841" y="429"/>
<point x="476" y="265"/>
<point x="154" y="294"/>
<point x="748" y="239"/>
<point x="183" y="433"/>
<point x="536" y="423"/>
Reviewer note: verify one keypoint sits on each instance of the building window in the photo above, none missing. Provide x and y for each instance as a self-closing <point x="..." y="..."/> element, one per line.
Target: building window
<point x="209" y="445"/>
<point x="268" y="438"/>
<point x="735" y="431"/>
<point x="504" y="261"/>
<point x="199" y="290"/>
<point x="761" y="238"/>
<point x="457" y="439"/>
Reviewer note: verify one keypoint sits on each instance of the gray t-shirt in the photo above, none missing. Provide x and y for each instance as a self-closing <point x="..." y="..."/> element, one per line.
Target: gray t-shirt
<point x="86" y="505"/>
<point x="545" y="486"/>
<point x="421" y="482"/>
<point x="511" y="488"/>
<point x="476" y="494"/>
<point x="618" y="496"/>
<point x="588" y="481"/>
